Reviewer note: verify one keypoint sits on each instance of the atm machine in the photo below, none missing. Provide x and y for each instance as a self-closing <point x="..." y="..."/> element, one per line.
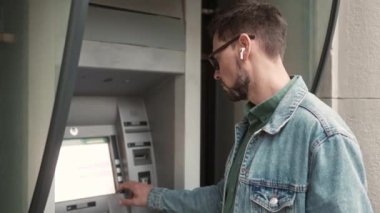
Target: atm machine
<point x="126" y="113"/>
<point x="94" y="159"/>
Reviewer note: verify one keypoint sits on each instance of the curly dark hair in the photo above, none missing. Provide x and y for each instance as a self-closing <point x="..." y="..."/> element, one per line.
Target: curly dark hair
<point x="261" y="19"/>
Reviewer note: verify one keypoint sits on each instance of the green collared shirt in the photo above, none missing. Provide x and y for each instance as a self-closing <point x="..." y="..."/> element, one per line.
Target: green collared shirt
<point x="257" y="117"/>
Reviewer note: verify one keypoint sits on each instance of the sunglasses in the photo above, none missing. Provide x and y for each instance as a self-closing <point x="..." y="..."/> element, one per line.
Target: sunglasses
<point x="211" y="57"/>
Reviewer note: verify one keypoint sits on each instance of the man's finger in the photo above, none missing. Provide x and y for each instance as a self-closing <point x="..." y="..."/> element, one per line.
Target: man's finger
<point x="127" y="185"/>
<point x="121" y="187"/>
<point x="127" y="202"/>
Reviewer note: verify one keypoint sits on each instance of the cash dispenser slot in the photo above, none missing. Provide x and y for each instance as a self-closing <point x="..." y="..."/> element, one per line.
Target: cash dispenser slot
<point x="142" y="157"/>
<point x="135" y="123"/>
<point x="139" y="144"/>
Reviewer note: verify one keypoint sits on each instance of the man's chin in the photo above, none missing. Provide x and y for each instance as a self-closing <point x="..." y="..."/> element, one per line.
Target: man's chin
<point x="234" y="96"/>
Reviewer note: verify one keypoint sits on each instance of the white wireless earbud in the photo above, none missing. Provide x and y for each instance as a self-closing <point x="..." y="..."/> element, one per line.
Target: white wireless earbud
<point x="242" y="53"/>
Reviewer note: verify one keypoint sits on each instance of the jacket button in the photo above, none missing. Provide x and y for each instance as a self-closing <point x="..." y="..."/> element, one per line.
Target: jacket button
<point x="273" y="201"/>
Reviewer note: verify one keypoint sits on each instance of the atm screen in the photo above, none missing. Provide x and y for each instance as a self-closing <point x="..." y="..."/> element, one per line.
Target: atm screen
<point x="83" y="169"/>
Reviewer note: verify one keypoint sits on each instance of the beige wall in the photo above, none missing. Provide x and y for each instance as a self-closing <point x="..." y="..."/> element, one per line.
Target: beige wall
<point x="350" y="83"/>
<point x="356" y="82"/>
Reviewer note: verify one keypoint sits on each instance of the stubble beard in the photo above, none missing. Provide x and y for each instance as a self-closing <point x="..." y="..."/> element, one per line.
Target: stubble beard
<point x="239" y="90"/>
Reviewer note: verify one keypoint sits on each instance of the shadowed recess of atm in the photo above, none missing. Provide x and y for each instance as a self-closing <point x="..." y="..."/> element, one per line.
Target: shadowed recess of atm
<point x="100" y="82"/>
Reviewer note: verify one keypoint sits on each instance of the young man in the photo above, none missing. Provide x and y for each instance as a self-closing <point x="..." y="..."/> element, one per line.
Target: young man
<point x="292" y="152"/>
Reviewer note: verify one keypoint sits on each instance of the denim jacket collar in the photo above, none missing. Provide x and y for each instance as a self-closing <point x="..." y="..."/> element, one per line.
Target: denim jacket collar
<point x="287" y="106"/>
<point x="284" y="110"/>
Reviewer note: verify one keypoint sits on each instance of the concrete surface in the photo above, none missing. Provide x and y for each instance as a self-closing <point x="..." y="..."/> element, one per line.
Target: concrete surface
<point x="355" y="79"/>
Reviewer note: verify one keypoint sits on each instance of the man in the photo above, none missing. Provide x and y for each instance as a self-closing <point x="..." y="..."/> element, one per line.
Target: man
<point x="292" y="152"/>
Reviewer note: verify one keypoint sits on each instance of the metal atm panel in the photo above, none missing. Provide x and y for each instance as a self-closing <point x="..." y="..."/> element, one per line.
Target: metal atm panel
<point x="140" y="157"/>
<point x="136" y="140"/>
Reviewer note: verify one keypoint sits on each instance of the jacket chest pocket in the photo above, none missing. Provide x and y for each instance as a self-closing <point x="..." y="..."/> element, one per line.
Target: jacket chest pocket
<point x="267" y="199"/>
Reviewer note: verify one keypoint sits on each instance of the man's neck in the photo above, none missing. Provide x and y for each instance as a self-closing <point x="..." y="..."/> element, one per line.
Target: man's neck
<point x="270" y="79"/>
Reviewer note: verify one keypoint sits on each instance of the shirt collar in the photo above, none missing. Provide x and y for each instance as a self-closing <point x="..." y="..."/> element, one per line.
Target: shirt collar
<point x="264" y="111"/>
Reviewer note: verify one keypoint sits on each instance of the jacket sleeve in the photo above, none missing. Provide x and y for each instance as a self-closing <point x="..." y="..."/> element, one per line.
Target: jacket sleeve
<point x="203" y="199"/>
<point x="337" y="181"/>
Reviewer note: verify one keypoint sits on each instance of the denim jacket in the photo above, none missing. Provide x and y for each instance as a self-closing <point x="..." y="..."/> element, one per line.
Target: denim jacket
<point x="305" y="159"/>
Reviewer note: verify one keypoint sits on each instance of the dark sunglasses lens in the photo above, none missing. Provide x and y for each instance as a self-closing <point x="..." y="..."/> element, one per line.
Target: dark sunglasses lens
<point x="214" y="63"/>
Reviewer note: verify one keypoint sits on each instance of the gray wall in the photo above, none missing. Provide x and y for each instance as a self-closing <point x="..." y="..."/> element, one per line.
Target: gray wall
<point x="13" y="108"/>
<point x="160" y="109"/>
<point x="351" y="84"/>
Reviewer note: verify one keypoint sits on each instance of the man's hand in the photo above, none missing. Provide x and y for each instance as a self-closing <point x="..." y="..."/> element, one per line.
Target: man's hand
<point x="140" y="192"/>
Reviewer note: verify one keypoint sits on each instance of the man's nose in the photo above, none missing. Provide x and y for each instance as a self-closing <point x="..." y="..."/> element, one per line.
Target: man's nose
<point x="217" y="75"/>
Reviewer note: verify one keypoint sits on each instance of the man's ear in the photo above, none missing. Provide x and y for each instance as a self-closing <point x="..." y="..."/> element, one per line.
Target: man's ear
<point x="245" y="46"/>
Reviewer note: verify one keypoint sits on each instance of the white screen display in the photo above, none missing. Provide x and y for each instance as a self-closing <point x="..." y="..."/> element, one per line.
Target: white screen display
<point x="83" y="170"/>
